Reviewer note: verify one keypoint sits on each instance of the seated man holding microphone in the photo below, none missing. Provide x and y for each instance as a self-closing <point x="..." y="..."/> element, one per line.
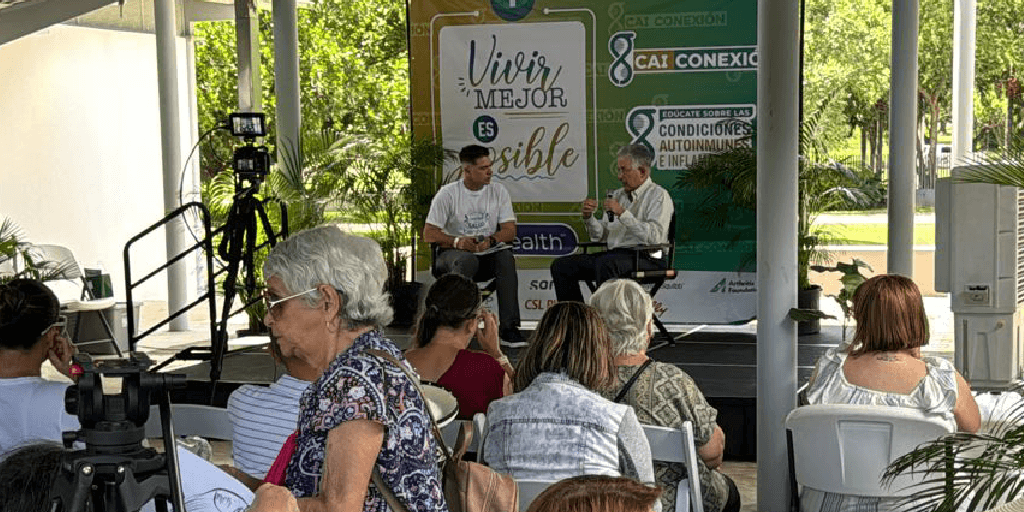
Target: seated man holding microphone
<point x="638" y="213"/>
<point x="467" y="219"/>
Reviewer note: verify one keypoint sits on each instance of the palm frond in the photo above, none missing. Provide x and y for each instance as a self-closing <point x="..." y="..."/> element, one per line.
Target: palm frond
<point x="984" y="469"/>
<point x="1004" y="167"/>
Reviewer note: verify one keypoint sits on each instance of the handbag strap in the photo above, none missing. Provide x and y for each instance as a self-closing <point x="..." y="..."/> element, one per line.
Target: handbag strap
<point x="378" y="480"/>
<point x="389" y="495"/>
<point x="629" y="383"/>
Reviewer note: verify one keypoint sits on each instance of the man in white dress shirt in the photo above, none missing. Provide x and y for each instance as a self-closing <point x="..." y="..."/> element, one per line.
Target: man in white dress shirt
<point x="641" y="212"/>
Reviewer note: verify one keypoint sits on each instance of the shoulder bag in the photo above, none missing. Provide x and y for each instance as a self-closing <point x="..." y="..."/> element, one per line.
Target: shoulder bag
<point x="467" y="486"/>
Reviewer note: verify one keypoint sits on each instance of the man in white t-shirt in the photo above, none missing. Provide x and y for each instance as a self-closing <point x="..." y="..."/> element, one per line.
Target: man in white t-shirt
<point x="467" y="218"/>
<point x="639" y="213"/>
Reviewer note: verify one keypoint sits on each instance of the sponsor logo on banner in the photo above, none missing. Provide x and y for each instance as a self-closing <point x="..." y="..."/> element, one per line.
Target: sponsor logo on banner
<point x="520" y="90"/>
<point x="735" y="286"/>
<point x="544" y="240"/>
<point x="627" y="60"/>
<point x="685" y="300"/>
<point x="679" y="135"/>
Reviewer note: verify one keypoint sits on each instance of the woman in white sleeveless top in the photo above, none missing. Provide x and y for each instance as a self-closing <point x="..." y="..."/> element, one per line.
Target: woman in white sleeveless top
<point x="883" y="365"/>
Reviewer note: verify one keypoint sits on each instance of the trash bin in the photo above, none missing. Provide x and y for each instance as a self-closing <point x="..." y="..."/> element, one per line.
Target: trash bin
<point x="119" y="322"/>
<point x="92" y="328"/>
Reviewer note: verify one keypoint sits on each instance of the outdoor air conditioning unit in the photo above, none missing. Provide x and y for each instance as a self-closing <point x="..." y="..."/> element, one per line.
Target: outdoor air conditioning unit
<point x="979" y="261"/>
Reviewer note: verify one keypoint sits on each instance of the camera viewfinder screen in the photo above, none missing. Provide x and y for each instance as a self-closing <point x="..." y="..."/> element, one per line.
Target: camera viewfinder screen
<point x="247" y="124"/>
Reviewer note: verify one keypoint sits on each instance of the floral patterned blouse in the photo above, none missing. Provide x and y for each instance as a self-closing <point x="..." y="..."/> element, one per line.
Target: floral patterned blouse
<point x="352" y="388"/>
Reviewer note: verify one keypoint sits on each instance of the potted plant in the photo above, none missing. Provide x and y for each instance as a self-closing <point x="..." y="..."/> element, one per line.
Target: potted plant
<point x="15" y="252"/>
<point x="851" y="279"/>
<point x="729" y="180"/>
<point x="392" y="198"/>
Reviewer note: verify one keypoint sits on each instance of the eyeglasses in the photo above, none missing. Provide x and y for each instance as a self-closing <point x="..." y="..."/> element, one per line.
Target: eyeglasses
<point x="62" y="322"/>
<point x="272" y="304"/>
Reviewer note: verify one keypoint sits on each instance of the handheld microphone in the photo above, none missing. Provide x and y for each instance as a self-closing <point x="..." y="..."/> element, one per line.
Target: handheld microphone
<point x="611" y="215"/>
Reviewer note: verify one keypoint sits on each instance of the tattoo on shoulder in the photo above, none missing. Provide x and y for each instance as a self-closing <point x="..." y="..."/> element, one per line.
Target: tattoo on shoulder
<point x="887" y="357"/>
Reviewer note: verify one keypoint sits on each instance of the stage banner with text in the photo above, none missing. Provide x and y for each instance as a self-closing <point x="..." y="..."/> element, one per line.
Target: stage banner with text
<point x="555" y="87"/>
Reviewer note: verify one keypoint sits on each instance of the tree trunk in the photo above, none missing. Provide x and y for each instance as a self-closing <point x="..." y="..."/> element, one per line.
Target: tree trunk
<point x="933" y="102"/>
<point x="877" y="147"/>
<point x="863" y="145"/>
<point x="1008" y="134"/>
<point x="919" y="143"/>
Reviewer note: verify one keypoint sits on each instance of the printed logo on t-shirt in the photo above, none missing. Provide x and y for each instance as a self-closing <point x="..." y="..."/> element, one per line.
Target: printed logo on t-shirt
<point x="476" y="221"/>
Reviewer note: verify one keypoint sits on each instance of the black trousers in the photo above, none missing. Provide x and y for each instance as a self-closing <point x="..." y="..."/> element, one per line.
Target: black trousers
<point x="501" y="266"/>
<point x="568" y="271"/>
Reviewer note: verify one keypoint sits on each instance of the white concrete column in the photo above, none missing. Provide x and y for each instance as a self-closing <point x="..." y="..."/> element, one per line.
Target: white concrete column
<point x="170" y="144"/>
<point x="902" y="137"/>
<point x="247" y="31"/>
<point x="964" y="26"/>
<point x="778" y="81"/>
<point x="286" y="75"/>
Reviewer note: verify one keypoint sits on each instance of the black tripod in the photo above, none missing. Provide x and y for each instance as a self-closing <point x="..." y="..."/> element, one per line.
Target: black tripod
<point x="238" y="247"/>
<point x="115" y="473"/>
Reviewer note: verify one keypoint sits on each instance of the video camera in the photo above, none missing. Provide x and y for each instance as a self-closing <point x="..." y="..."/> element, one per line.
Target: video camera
<point x="114" y="472"/>
<point x="249" y="161"/>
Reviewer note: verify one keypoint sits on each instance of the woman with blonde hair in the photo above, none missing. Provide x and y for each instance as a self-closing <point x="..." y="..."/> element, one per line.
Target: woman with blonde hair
<point x="557" y="426"/>
<point x="662" y="394"/>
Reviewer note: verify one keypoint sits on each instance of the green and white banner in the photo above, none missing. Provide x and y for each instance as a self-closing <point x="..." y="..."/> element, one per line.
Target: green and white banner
<point x="555" y="87"/>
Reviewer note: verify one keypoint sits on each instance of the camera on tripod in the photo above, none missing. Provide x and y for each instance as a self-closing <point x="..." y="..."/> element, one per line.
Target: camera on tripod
<point x="250" y="161"/>
<point x="115" y="472"/>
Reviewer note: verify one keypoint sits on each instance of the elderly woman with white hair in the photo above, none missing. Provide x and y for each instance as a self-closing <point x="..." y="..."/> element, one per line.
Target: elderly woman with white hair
<point x="662" y="394"/>
<point x="326" y="305"/>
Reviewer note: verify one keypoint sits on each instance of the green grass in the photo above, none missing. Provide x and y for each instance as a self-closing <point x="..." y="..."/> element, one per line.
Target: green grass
<point x="877" y="234"/>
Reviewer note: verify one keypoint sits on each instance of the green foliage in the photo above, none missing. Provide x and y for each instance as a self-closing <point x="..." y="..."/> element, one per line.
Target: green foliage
<point x="353" y="73"/>
<point x="308" y="179"/>
<point x="728" y="181"/>
<point x="847" y="48"/>
<point x="999" y="168"/>
<point x="393" y="189"/>
<point x="967" y="472"/>
<point x="16" y="252"/>
<point x="851" y="278"/>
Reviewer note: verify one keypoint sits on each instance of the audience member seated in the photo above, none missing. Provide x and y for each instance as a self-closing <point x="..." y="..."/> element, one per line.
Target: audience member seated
<point x="28" y="473"/>
<point x="325" y="306"/>
<point x="557" y="426"/>
<point x="31" y="332"/>
<point x="596" y="493"/>
<point x="451" y="316"/>
<point x="262" y="417"/>
<point x="883" y="366"/>
<point x="661" y="394"/>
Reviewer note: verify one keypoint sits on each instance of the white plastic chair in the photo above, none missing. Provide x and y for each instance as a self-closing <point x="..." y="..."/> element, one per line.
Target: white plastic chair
<point x="450" y="432"/>
<point x="192" y="420"/>
<point x="845" y="448"/>
<point x="530" y="489"/>
<point x="480" y="429"/>
<point x="677" y="445"/>
<point x="82" y="301"/>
